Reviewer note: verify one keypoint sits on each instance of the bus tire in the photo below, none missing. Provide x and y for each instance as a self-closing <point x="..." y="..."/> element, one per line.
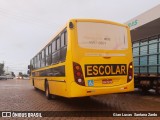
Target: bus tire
<point x="158" y="90"/>
<point x="33" y="82"/>
<point x="47" y="93"/>
<point x="145" y="90"/>
<point x="87" y="97"/>
<point x="33" y="85"/>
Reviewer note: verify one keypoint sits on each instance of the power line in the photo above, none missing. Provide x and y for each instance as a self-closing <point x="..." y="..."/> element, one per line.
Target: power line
<point x="24" y="18"/>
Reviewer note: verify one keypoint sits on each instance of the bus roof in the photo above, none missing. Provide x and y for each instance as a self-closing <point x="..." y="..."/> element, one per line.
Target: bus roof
<point x="98" y="20"/>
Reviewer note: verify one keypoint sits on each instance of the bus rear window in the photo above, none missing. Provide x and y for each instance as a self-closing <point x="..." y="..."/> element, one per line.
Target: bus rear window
<point x="102" y="36"/>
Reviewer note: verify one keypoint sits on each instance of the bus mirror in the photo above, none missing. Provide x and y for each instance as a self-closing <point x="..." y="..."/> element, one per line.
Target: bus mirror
<point x="71" y="25"/>
<point x="29" y="67"/>
<point x="28" y="72"/>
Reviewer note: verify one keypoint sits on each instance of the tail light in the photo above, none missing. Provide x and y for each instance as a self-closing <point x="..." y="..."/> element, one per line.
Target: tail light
<point x="130" y="72"/>
<point x="78" y="74"/>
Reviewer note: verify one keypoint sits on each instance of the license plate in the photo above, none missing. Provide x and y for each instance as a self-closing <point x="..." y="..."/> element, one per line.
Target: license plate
<point x="107" y="81"/>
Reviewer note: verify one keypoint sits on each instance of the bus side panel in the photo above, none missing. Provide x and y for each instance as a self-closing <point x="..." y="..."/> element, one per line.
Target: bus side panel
<point x="57" y="88"/>
<point x="39" y="83"/>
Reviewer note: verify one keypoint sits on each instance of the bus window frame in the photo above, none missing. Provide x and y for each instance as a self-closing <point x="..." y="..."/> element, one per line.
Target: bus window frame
<point x="62" y="39"/>
<point x="55" y="46"/>
<point x="65" y="37"/>
<point x="49" y="49"/>
<point x="58" y="46"/>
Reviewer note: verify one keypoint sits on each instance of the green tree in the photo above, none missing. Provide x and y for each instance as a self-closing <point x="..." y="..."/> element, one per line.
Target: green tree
<point x="13" y="74"/>
<point x="1" y="68"/>
<point x="20" y="74"/>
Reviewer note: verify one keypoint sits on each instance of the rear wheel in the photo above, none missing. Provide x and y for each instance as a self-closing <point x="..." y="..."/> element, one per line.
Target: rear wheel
<point x="33" y="84"/>
<point x="145" y="90"/>
<point x="158" y="89"/>
<point x="47" y="93"/>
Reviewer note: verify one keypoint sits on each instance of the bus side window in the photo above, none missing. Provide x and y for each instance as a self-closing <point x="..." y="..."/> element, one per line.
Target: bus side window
<point x="40" y="59"/>
<point x="49" y="49"/>
<point x="40" y="56"/>
<point x="56" y="53"/>
<point x="36" y="60"/>
<point x="33" y="63"/>
<point x="43" y="58"/>
<point x="46" y="55"/>
<point x="58" y="43"/>
<point x="53" y="46"/>
<point x="49" y="59"/>
<point x="65" y="37"/>
<point x="63" y="46"/>
<point x="62" y="40"/>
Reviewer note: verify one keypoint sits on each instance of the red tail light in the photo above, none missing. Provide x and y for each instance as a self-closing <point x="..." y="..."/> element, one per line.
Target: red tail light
<point x="130" y="72"/>
<point x="78" y="74"/>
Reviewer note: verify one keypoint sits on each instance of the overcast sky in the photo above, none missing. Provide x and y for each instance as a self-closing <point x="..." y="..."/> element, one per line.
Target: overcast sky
<point x="26" y="25"/>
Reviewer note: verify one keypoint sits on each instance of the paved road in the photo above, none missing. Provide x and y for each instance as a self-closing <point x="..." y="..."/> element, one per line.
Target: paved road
<point x="19" y="95"/>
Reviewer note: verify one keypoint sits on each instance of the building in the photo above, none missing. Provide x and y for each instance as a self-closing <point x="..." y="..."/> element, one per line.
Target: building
<point x="145" y="25"/>
<point x="145" y="35"/>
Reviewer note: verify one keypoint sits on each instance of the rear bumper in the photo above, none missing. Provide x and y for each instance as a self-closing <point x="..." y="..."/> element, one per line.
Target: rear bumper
<point x="81" y="91"/>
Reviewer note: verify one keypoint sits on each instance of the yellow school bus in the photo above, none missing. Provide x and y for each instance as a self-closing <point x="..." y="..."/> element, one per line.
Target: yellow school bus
<point x="87" y="57"/>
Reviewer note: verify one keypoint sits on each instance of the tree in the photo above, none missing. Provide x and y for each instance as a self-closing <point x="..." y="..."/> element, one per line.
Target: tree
<point x="20" y="74"/>
<point x="1" y="68"/>
<point x="13" y="74"/>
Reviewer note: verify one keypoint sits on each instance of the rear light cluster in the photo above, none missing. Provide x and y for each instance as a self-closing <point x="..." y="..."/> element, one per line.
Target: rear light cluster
<point x="78" y="74"/>
<point x="130" y="72"/>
